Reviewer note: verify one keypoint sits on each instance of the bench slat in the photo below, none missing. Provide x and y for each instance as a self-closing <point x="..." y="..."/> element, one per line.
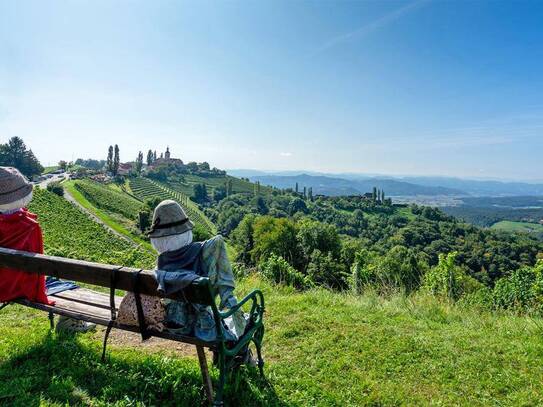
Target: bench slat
<point x="101" y="316"/>
<point x="88" y="297"/>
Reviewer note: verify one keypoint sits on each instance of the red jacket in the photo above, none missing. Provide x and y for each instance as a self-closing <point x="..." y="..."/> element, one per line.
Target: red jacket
<point x="21" y="231"/>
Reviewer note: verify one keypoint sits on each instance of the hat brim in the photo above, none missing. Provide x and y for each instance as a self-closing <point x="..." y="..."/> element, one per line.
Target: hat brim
<point x="174" y="230"/>
<point x="17" y="199"/>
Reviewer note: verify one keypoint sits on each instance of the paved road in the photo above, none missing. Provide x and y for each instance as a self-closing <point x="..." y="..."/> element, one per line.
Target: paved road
<point x="57" y="177"/>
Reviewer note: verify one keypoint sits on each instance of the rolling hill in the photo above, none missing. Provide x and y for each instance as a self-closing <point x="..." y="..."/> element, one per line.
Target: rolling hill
<point x="332" y="186"/>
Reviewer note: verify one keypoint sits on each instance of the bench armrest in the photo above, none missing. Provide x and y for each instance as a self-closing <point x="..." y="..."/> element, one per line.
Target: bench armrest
<point x="256" y="296"/>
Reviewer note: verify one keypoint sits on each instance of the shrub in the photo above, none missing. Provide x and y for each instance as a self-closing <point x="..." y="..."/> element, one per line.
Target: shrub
<point x="200" y="233"/>
<point x="326" y="271"/>
<point x="448" y="280"/>
<point x="362" y="272"/>
<point x="516" y="292"/>
<point x="56" y="188"/>
<point x="277" y="270"/>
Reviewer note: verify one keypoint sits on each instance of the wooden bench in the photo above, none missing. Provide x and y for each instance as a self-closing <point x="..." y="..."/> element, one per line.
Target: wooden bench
<point x="100" y="308"/>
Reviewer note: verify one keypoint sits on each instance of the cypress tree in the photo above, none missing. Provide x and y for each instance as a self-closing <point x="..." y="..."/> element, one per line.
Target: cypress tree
<point x="139" y="163"/>
<point x="116" y="160"/>
<point x="110" y="159"/>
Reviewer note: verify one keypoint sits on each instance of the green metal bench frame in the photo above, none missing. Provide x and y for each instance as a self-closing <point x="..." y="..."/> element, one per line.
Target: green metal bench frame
<point x="122" y="278"/>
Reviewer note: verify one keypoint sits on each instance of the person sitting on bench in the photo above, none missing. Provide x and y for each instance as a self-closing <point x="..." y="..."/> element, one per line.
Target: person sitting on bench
<point x="20" y="230"/>
<point x="180" y="262"/>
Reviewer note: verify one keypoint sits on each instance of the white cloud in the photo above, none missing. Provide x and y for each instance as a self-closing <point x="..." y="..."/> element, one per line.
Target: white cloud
<point x="285" y="154"/>
<point x="372" y="26"/>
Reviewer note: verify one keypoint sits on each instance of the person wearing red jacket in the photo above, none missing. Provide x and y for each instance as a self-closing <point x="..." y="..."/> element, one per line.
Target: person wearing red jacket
<point x="20" y="230"/>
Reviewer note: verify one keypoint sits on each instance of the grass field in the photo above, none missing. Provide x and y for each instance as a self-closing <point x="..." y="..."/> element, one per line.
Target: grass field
<point x="321" y="348"/>
<point x="519" y="227"/>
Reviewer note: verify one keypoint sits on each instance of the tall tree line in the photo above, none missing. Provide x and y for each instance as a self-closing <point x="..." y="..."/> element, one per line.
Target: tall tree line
<point x="113" y="160"/>
<point x="15" y="154"/>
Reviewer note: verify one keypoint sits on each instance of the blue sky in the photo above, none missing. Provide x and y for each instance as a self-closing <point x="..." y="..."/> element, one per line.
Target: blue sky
<point x="393" y="87"/>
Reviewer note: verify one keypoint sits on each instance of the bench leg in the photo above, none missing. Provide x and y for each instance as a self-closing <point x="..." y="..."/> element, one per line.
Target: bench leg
<point x="106" y="336"/>
<point x="51" y="321"/>
<point x="208" y="386"/>
<point x="257" y="339"/>
<point x="222" y="380"/>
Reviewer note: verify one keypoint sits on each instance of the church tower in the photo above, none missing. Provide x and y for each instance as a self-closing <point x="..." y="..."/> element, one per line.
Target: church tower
<point x="167" y="155"/>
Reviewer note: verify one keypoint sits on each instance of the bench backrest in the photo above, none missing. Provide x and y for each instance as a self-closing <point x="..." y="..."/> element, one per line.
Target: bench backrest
<point x="199" y="291"/>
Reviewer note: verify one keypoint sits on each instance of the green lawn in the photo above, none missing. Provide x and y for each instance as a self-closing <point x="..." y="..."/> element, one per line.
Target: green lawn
<point x="518" y="227"/>
<point x="321" y="349"/>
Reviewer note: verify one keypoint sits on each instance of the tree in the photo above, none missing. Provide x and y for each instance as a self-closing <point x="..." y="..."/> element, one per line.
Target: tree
<point x="305" y="193"/>
<point x="62" y="165"/>
<point x="314" y="235"/>
<point x="229" y="187"/>
<point x="110" y="159"/>
<point x="219" y="193"/>
<point x="296" y="205"/>
<point x="150" y="158"/>
<point x="139" y="163"/>
<point x="257" y="188"/>
<point x="144" y="219"/>
<point x="296" y="188"/>
<point x="242" y="237"/>
<point x="56" y="188"/>
<point x="200" y="193"/>
<point x="116" y="161"/>
<point x="154" y="156"/>
<point x="90" y="163"/>
<point x="15" y="154"/>
<point x="310" y="193"/>
<point x="276" y="236"/>
<point x="374" y="194"/>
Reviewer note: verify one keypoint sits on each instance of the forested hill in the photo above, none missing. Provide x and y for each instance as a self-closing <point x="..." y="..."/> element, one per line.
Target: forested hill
<point x="334" y="186"/>
<point x="325" y="237"/>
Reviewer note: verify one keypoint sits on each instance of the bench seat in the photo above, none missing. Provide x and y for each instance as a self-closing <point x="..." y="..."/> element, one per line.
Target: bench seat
<point x="92" y="306"/>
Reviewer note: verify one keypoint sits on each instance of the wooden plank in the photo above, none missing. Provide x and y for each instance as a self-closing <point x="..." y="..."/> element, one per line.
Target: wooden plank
<point x="101" y="317"/>
<point x="89" y="297"/>
<point x="98" y="274"/>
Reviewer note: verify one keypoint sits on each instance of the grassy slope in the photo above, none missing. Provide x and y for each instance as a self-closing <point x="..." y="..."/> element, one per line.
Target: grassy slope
<point x="518" y="226"/>
<point x="321" y="349"/>
<point x="71" y="233"/>
<point x="114" y="222"/>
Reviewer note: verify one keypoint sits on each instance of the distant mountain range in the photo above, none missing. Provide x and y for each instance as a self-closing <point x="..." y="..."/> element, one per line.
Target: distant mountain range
<point x="351" y="184"/>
